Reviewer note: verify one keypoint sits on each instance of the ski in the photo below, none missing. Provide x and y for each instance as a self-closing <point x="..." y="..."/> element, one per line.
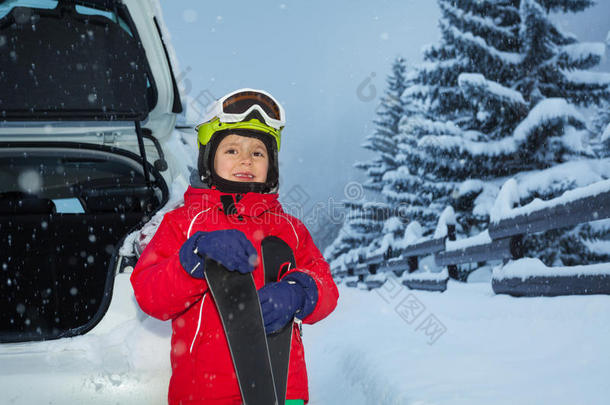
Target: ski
<point x="237" y="301"/>
<point x="275" y="253"/>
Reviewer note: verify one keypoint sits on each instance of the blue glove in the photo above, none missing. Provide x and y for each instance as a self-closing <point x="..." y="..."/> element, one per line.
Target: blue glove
<point x="295" y="295"/>
<point x="229" y="247"/>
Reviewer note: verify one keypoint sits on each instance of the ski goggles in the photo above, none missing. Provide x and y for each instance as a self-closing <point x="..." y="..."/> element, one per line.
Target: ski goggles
<point x="238" y="105"/>
<point x="207" y="129"/>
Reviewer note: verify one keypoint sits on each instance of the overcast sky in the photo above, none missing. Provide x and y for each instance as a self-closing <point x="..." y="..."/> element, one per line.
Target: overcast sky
<point x="314" y="56"/>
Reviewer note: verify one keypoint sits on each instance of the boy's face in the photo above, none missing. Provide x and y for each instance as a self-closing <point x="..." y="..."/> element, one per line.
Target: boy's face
<point x="241" y="158"/>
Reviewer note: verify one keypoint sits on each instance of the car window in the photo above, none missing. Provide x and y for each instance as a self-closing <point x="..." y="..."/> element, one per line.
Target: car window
<point x="73" y="63"/>
<point x="7" y="6"/>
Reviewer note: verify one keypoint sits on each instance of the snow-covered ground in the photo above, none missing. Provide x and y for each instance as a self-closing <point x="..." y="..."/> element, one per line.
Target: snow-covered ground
<point x="464" y="346"/>
<point x="386" y="346"/>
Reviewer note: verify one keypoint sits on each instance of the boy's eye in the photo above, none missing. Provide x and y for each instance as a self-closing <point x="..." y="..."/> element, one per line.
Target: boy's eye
<point x="231" y="151"/>
<point x="259" y="154"/>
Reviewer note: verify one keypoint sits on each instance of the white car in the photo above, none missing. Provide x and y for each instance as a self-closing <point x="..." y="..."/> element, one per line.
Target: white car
<point x="89" y="153"/>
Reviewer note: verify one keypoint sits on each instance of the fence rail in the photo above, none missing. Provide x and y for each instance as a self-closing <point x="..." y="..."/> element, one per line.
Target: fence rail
<point x="569" y="214"/>
<point x="505" y="248"/>
<point x="505" y="243"/>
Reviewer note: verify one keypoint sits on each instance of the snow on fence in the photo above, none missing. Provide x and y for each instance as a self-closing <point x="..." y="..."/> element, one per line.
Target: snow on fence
<point x="503" y="240"/>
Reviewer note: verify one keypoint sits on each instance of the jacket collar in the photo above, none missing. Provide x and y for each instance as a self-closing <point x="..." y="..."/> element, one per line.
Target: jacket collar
<point x="249" y="204"/>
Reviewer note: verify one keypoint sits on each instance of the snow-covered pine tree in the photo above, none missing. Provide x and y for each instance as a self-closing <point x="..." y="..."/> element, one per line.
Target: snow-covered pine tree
<point x="555" y="81"/>
<point x="503" y="86"/>
<point x="407" y="188"/>
<point x="496" y="98"/>
<point x="601" y="129"/>
<point x="364" y="221"/>
<point x="383" y="140"/>
<point x="593" y="239"/>
<point x="601" y="122"/>
<point x="478" y="51"/>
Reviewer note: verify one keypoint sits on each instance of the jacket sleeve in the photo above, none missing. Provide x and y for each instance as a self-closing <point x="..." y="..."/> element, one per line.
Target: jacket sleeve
<point x="310" y="261"/>
<point x="161" y="286"/>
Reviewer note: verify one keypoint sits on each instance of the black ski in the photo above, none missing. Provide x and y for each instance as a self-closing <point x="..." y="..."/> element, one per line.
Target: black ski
<point x="237" y="301"/>
<point x="276" y="252"/>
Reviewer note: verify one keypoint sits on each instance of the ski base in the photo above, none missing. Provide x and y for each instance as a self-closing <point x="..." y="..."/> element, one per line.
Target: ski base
<point x="276" y="252"/>
<point x="237" y="301"/>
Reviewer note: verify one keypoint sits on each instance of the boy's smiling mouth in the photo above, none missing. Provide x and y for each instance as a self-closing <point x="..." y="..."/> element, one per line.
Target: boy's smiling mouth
<point x="244" y="175"/>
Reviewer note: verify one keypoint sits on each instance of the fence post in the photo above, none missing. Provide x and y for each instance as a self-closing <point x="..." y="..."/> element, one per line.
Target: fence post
<point x="452" y="268"/>
<point x="516" y="246"/>
<point x="413" y="263"/>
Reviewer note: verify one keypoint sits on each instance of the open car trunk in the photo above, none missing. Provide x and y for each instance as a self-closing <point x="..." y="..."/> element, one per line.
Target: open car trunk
<point x="77" y="97"/>
<point x="63" y="211"/>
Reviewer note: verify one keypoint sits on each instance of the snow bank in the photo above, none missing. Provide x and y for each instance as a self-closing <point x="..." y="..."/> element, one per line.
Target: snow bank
<point x="532" y="267"/>
<point x="465" y="346"/>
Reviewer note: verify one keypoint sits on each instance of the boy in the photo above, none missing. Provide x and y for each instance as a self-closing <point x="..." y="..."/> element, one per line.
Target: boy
<point x="225" y="217"/>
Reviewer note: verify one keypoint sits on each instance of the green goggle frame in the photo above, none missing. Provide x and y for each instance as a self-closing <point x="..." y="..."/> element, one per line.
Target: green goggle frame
<point x="207" y="129"/>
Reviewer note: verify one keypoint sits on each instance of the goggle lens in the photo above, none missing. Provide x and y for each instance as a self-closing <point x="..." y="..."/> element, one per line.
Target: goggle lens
<point x="240" y="102"/>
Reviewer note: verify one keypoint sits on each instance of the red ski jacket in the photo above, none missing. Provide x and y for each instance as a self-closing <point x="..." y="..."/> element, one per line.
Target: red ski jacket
<point x="202" y="369"/>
